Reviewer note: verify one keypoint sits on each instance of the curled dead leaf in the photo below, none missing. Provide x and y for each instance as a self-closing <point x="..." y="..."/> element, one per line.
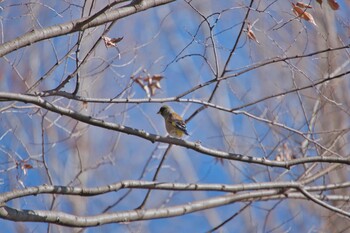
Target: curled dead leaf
<point x="147" y="90"/>
<point x="138" y="81"/>
<point x="157" y="77"/>
<point x="149" y="84"/>
<point x="251" y="34"/>
<point x="333" y="4"/>
<point x="148" y="79"/>
<point x="111" y="42"/>
<point x="303" y="5"/>
<point x="154" y="87"/>
<point x="25" y="167"/>
<point x="303" y="14"/>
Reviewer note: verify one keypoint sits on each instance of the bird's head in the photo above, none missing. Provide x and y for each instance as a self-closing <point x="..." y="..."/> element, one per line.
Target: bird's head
<point x="165" y="111"/>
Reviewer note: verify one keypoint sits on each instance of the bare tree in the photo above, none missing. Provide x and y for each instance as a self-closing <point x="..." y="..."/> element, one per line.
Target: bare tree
<point x="261" y="85"/>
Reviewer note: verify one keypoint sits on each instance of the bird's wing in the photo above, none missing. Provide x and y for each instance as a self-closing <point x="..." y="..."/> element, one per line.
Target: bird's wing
<point x="180" y="124"/>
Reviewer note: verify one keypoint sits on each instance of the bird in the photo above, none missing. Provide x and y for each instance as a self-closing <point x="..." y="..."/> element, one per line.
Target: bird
<point x="174" y="124"/>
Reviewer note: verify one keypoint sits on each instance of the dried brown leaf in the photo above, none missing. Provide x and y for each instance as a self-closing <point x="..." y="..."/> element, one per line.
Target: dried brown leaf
<point x="138" y="81"/>
<point x="146" y="88"/>
<point x="149" y="84"/>
<point x="154" y="85"/>
<point x="27" y="166"/>
<point x="252" y="36"/>
<point x="157" y="85"/>
<point x="153" y="88"/>
<point x="333" y="4"/>
<point x="250" y="33"/>
<point x="309" y="17"/>
<point x="111" y="42"/>
<point x="148" y="79"/>
<point x="303" y="14"/>
<point x="153" y="79"/>
<point x="303" y="5"/>
<point x="157" y="77"/>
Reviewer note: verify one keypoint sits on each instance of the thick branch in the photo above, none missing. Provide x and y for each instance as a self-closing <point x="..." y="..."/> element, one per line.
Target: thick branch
<point x="153" y="185"/>
<point x="78" y="25"/>
<point x="65" y="219"/>
<point x="196" y="146"/>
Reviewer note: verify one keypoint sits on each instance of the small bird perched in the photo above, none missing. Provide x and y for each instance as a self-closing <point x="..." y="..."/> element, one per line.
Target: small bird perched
<point x="174" y="124"/>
